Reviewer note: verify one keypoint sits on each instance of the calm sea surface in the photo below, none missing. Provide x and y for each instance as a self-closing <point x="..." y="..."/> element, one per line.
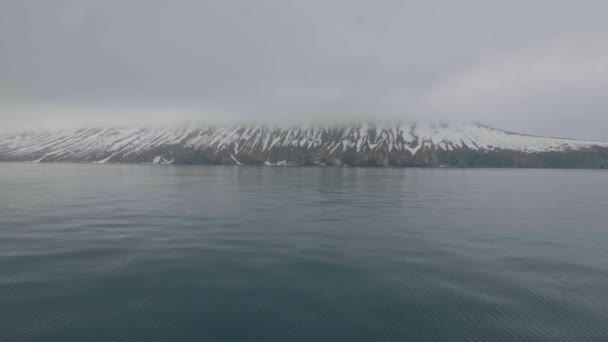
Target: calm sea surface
<point x="179" y="253"/>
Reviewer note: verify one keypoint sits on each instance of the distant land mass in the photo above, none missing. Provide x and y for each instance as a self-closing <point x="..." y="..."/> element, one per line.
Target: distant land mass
<point x="403" y="144"/>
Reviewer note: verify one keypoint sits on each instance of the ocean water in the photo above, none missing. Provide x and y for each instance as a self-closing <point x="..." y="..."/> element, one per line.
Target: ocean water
<point x="189" y="253"/>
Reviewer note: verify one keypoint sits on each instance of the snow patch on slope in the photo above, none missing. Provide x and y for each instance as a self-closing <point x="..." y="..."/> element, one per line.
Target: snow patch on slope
<point x="145" y="145"/>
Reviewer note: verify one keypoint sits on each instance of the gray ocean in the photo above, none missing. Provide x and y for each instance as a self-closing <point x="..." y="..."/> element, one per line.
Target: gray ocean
<point x="191" y="253"/>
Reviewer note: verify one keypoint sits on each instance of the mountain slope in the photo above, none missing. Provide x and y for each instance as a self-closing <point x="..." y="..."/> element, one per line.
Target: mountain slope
<point x="394" y="144"/>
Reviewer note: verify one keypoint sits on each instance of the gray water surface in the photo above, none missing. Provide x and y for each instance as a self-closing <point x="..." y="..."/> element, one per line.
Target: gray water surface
<point x="179" y="253"/>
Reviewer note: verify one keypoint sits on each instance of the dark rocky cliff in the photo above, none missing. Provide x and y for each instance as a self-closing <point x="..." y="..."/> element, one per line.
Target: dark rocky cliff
<point x="395" y="144"/>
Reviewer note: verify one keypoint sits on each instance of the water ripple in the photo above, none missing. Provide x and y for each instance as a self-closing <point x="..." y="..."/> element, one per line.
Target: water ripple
<point x="123" y="253"/>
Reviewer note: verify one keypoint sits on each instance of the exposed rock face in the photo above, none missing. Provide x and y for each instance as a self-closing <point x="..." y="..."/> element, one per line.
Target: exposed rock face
<point x="367" y="144"/>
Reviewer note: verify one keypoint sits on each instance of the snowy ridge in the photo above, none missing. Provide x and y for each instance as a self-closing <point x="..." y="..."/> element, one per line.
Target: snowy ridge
<point x="232" y="143"/>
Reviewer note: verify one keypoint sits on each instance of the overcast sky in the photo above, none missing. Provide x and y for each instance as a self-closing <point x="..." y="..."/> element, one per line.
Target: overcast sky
<point x="532" y="66"/>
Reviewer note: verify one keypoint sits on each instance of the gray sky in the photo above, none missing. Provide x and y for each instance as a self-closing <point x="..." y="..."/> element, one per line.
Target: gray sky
<point x="524" y="65"/>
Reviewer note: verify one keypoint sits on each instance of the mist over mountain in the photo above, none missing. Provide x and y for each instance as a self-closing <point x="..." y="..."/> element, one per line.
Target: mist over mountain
<point x="397" y="143"/>
<point x="538" y="68"/>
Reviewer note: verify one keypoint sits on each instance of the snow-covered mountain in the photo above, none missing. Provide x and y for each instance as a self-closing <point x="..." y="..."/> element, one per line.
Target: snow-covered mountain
<point x="380" y="144"/>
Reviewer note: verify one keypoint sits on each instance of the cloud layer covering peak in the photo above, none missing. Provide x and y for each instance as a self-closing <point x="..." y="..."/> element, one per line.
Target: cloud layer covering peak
<point x="539" y="67"/>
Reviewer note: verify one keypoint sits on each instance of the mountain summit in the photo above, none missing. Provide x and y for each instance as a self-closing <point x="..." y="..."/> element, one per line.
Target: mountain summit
<point x="358" y="144"/>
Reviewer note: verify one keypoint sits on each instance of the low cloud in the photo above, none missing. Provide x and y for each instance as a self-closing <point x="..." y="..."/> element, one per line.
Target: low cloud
<point x="536" y="67"/>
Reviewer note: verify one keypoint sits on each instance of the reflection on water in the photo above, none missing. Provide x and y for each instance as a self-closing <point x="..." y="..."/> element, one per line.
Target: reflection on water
<point x="170" y="253"/>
